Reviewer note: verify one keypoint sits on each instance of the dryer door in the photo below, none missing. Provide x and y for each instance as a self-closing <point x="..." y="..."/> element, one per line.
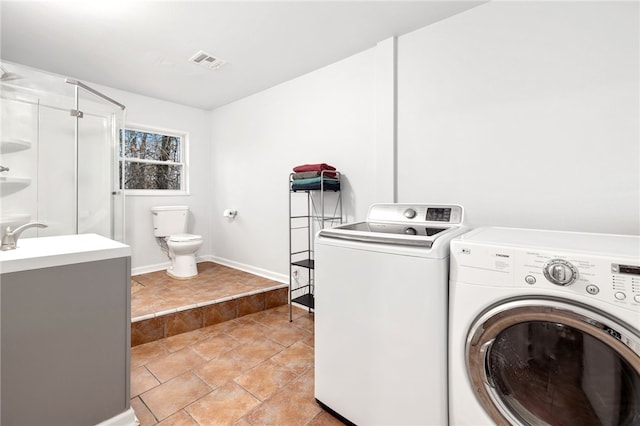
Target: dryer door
<point x="549" y="362"/>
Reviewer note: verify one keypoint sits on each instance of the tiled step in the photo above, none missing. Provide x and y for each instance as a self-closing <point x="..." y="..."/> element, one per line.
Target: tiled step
<point x="181" y="320"/>
<point x="162" y="306"/>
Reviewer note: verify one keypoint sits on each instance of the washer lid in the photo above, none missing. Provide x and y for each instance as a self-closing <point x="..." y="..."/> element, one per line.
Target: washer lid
<point x="402" y="224"/>
<point x="183" y="238"/>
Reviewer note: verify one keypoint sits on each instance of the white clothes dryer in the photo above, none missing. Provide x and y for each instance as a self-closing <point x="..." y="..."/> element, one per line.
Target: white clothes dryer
<point x="544" y="328"/>
<point x="381" y="315"/>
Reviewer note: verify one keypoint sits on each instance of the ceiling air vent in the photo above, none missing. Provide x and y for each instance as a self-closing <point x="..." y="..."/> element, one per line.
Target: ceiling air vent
<point x="206" y="60"/>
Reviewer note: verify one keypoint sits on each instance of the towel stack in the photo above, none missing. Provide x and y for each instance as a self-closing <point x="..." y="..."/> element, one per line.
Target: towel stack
<point x="315" y="176"/>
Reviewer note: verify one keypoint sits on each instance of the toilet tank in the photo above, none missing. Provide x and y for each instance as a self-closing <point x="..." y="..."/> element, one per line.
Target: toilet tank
<point x="169" y="220"/>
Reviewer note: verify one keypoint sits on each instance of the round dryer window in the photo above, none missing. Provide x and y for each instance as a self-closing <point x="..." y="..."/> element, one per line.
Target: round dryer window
<point x="548" y="362"/>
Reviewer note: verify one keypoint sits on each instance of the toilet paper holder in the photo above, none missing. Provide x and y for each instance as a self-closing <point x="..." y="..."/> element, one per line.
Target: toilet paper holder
<point x="229" y="213"/>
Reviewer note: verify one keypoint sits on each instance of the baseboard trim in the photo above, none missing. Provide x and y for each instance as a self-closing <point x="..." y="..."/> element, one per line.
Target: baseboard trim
<point x="150" y="268"/>
<point x="274" y="276"/>
<point x="281" y="278"/>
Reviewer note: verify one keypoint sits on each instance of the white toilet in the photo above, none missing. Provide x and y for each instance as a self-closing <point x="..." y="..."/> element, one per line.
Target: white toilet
<point x="170" y="224"/>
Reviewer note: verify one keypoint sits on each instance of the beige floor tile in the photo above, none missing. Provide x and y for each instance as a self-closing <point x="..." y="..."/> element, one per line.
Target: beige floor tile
<point x="174" y="395"/>
<point x="310" y="341"/>
<point x="253" y="370"/>
<point x="215" y="346"/>
<point x="222" y="327"/>
<point x="253" y="353"/>
<point x="298" y="357"/>
<point x="248" y="332"/>
<point x="155" y="291"/>
<point x="181" y="418"/>
<point x="286" y="334"/>
<point x="324" y="419"/>
<point x="221" y="370"/>
<point x="305" y="322"/>
<point x="265" y="379"/>
<point x="145" y="417"/>
<point x="142" y="380"/>
<point x="293" y="405"/>
<point x="175" y="364"/>
<point x="181" y="341"/>
<point x="272" y="318"/>
<point x="135" y="287"/>
<point x="223" y="406"/>
<point x="143" y="354"/>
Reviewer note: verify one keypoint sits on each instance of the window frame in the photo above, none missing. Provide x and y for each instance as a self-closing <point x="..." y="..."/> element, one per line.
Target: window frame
<point x="184" y="155"/>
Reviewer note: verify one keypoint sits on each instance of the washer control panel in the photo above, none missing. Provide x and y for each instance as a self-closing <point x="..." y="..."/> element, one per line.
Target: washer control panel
<point x="421" y="214"/>
<point x="594" y="276"/>
<point x="560" y="272"/>
<point x="609" y="279"/>
<point x="603" y="268"/>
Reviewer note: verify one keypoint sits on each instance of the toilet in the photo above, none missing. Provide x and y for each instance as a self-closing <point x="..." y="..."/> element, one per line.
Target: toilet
<point x="170" y="224"/>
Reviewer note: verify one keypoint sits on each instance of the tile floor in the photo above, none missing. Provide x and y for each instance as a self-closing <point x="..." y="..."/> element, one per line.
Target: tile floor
<point x="156" y="292"/>
<point x="253" y="370"/>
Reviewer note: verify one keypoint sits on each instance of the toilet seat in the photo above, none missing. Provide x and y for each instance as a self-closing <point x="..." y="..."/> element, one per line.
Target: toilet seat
<point x="184" y="238"/>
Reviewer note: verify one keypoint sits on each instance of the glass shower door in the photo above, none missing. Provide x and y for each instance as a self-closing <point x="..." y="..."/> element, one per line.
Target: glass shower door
<point x="59" y="152"/>
<point x="100" y="201"/>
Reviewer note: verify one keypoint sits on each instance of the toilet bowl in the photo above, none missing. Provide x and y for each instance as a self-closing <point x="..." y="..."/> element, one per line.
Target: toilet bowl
<point x="182" y="250"/>
<point x="170" y="226"/>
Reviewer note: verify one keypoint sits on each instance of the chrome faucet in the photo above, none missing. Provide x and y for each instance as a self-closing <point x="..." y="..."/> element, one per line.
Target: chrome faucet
<point x="4" y="169"/>
<point x="10" y="238"/>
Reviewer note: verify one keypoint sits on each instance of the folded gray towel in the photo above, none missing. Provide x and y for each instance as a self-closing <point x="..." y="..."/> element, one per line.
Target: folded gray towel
<point x="305" y="175"/>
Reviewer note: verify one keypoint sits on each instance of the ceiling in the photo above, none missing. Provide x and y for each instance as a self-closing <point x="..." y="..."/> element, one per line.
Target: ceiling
<point x="144" y="46"/>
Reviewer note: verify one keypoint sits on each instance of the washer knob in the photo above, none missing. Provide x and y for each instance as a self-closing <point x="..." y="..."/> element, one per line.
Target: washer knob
<point x="560" y="272"/>
<point x="409" y="213"/>
<point x="410" y="231"/>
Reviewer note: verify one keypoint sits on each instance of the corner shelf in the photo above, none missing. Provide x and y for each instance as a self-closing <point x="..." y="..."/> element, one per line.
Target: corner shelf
<point x="306" y="218"/>
<point x="9" y="185"/>
<point x="14" y="220"/>
<point x="14" y="145"/>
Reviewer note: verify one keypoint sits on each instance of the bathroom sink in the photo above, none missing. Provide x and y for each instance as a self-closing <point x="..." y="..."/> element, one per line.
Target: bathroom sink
<point x="44" y="252"/>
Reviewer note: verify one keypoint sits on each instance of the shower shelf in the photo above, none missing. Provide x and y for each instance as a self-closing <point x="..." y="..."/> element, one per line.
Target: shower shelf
<point x="14" y="145"/>
<point x="14" y="220"/>
<point x="10" y="185"/>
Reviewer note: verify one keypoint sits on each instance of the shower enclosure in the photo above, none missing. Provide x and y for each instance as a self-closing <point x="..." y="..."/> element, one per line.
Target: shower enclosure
<point x="59" y="155"/>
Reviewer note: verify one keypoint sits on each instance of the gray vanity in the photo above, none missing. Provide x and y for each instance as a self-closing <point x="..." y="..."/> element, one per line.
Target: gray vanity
<point x="65" y="332"/>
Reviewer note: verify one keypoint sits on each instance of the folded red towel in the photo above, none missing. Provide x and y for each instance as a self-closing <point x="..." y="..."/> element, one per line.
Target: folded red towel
<point x="313" y="167"/>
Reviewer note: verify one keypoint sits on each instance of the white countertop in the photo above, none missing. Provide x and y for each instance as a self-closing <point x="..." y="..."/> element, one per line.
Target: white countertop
<point x="45" y="252"/>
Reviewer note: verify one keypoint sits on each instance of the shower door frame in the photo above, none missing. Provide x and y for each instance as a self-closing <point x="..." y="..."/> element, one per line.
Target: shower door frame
<point x="117" y="201"/>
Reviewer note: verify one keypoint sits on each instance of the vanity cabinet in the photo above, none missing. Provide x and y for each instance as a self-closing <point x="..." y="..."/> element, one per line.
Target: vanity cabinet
<point x="65" y="332"/>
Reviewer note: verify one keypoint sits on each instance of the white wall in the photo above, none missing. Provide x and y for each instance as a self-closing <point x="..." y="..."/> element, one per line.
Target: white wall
<point x="325" y="116"/>
<point x="146" y="254"/>
<point x="526" y="113"/>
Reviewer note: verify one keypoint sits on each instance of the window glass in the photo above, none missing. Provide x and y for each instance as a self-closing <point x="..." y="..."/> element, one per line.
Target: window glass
<point x="154" y="161"/>
<point x="152" y="146"/>
<point x="562" y="376"/>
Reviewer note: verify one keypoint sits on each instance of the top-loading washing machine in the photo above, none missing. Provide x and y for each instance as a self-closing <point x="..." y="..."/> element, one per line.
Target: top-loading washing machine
<point x="544" y="328"/>
<point x="381" y="315"/>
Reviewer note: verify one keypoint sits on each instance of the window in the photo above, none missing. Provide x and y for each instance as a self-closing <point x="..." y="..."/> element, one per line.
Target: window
<point x="154" y="161"/>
